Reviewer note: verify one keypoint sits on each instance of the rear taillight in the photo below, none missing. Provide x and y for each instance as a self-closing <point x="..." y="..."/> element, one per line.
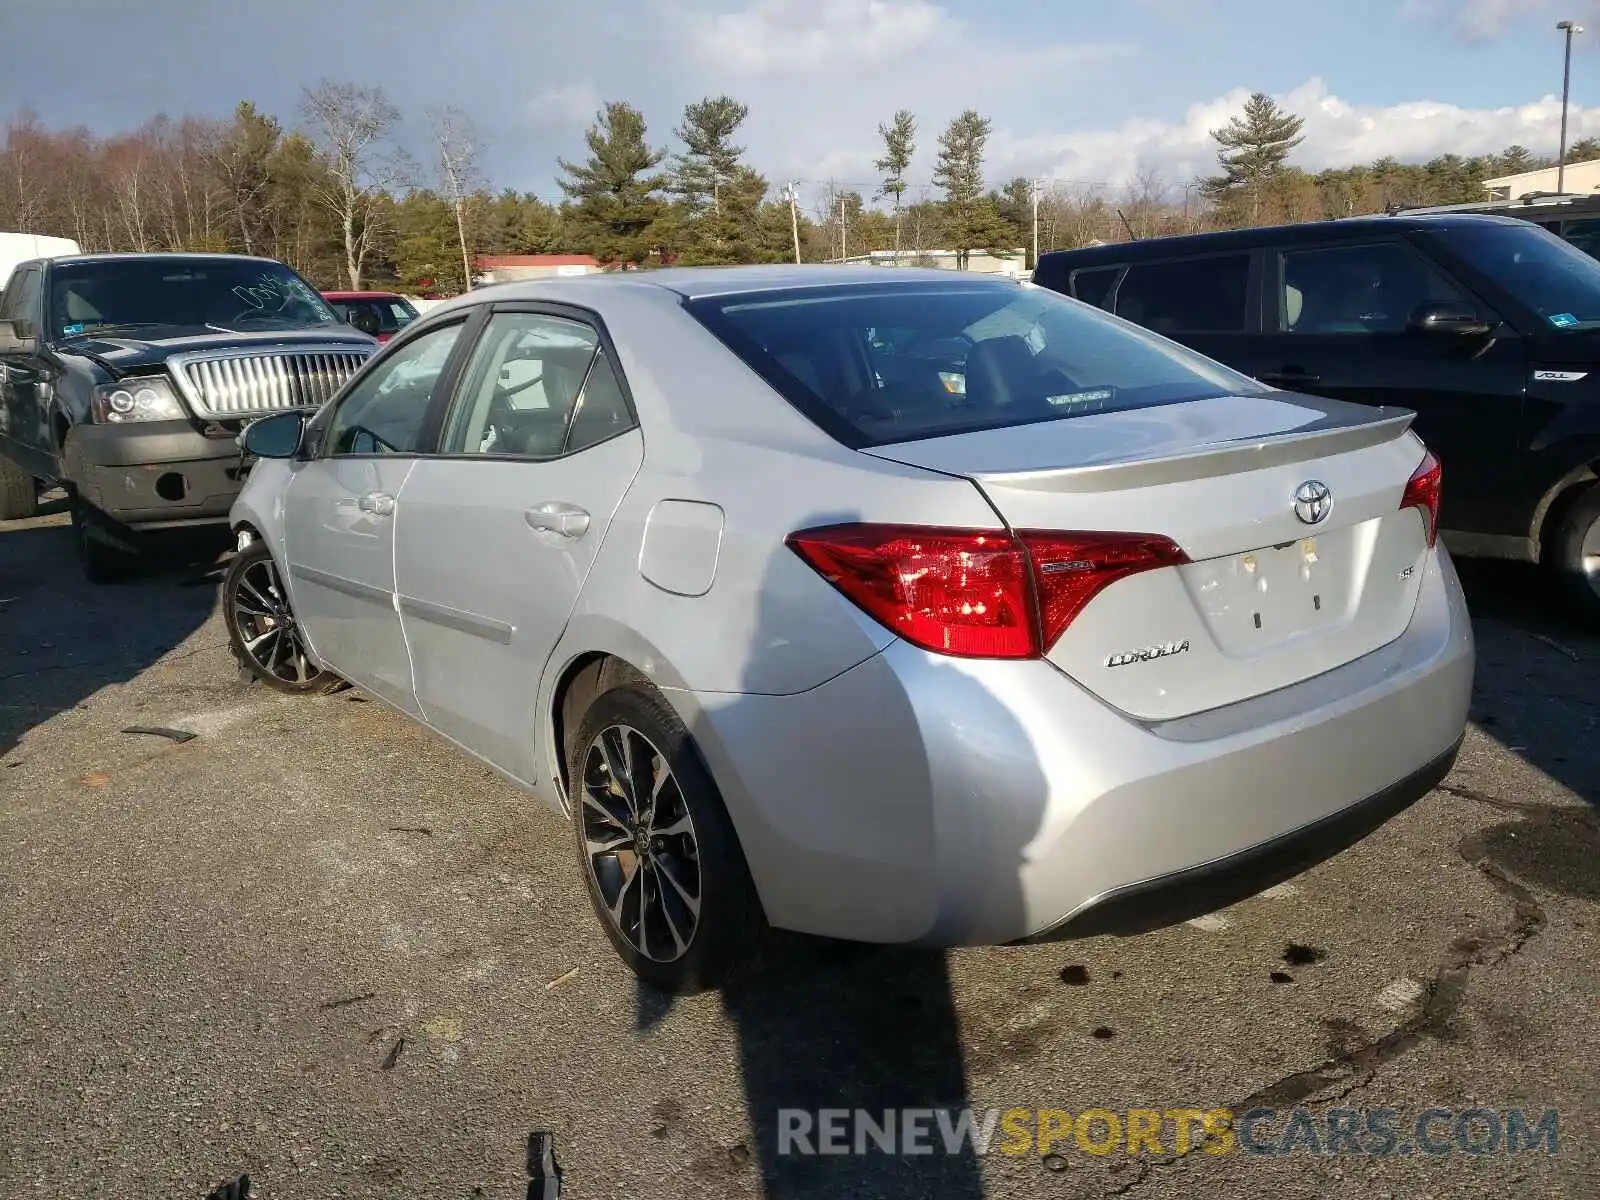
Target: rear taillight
<point x="976" y="593"/>
<point x="1422" y="492"/>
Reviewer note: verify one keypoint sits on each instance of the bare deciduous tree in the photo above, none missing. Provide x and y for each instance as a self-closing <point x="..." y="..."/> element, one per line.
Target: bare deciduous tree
<point x="459" y="146"/>
<point x="349" y="124"/>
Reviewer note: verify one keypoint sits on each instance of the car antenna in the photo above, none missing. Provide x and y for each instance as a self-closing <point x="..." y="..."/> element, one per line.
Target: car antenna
<point x="1132" y="236"/>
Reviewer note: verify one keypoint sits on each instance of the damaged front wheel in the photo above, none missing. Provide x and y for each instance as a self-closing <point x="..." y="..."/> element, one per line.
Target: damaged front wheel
<point x="262" y="630"/>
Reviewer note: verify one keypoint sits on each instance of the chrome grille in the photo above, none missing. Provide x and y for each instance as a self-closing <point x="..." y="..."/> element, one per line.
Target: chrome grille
<point x="247" y="384"/>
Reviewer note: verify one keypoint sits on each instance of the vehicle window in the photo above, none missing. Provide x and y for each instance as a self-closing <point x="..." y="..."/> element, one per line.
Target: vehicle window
<point x="1549" y="276"/>
<point x="1197" y="295"/>
<point x="1360" y="289"/>
<point x="390" y="315"/>
<point x="383" y="414"/>
<point x="536" y="386"/>
<point x="20" y="302"/>
<point x="1585" y="235"/>
<point x="219" y="295"/>
<point x="967" y="355"/>
<point x="1094" y="286"/>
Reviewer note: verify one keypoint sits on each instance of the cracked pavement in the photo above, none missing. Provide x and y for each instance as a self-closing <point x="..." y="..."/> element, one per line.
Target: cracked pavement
<point x="319" y="946"/>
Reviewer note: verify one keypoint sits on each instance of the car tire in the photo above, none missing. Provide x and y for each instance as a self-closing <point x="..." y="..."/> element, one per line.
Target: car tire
<point x="1576" y="551"/>
<point x="687" y="919"/>
<point x="103" y="549"/>
<point x="19" y="492"/>
<point x="255" y="606"/>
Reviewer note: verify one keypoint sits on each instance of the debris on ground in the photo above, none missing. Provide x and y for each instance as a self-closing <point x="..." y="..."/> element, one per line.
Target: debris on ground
<point x="560" y="979"/>
<point x="177" y="735"/>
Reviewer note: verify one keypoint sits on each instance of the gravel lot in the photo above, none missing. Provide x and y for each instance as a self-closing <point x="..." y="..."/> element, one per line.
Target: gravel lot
<point x="318" y="946"/>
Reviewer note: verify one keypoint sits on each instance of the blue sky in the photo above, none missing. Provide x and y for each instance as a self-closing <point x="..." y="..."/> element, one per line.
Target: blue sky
<point x="1077" y="91"/>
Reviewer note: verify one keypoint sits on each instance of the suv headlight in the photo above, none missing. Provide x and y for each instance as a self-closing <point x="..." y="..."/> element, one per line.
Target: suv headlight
<point x="140" y="399"/>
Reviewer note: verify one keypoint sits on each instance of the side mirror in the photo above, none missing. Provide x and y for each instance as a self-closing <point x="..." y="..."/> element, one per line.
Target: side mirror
<point x="13" y="343"/>
<point x="1445" y="318"/>
<point x="277" y="436"/>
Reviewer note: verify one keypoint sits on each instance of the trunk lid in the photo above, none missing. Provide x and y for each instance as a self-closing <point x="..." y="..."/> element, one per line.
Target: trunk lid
<point x="1267" y="598"/>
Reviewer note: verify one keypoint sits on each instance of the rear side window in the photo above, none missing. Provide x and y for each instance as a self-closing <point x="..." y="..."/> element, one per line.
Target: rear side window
<point x="1197" y="295"/>
<point x="877" y="363"/>
<point x="1094" y="286"/>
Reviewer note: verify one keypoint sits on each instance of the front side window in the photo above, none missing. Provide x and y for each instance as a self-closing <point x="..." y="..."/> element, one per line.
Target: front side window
<point x="963" y="356"/>
<point x="1198" y="295"/>
<point x="1360" y="289"/>
<point x="174" y="292"/>
<point x="536" y="386"/>
<point x="1546" y="275"/>
<point x="384" y="413"/>
<point x="20" y="303"/>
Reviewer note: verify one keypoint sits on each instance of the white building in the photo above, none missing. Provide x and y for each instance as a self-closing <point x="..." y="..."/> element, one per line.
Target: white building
<point x="1579" y="179"/>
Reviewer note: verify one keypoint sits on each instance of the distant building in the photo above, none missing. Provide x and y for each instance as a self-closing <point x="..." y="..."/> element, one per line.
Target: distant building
<point x="1581" y="179"/>
<point x="980" y="262"/>
<point x="503" y="268"/>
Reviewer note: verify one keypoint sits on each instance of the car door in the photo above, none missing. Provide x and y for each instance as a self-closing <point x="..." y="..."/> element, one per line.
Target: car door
<point x="24" y="382"/>
<point x="1340" y="324"/>
<point x="339" y="514"/>
<point x="497" y="532"/>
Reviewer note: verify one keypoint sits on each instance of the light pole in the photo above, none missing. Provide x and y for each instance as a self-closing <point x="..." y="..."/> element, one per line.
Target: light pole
<point x="1571" y="27"/>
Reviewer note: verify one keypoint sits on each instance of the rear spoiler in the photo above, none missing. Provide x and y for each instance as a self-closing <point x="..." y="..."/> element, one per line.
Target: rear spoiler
<point x="1336" y="434"/>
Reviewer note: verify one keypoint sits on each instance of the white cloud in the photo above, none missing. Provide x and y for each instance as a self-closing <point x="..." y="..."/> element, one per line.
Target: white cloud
<point x="1337" y="134"/>
<point x="1489" y="20"/>
<point x="831" y="36"/>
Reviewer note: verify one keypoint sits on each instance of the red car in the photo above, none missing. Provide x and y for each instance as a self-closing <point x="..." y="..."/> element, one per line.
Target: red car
<point x="381" y="314"/>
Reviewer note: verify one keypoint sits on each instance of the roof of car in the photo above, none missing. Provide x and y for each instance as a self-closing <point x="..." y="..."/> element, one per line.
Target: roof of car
<point x="697" y="282"/>
<point x="1344" y="227"/>
<point x="157" y="256"/>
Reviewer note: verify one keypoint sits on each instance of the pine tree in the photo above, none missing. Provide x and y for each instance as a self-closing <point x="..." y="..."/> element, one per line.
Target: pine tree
<point x="615" y="193"/>
<point x="718" y="196"/>
<point x="969" y="223"/>
<point x="1254" y="148"/>
<point x="899" y="144"/>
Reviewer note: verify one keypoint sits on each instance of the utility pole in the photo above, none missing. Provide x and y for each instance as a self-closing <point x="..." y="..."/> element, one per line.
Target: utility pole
<point x="844" y="244"/>
<point x="794" y="218"/>
<point x="1036" y="183"/>
<point x="1571" y="27"/>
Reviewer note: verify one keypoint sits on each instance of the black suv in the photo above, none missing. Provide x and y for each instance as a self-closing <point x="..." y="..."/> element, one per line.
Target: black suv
<point x="1487" y="327"/>
<point x="127" y="377"/>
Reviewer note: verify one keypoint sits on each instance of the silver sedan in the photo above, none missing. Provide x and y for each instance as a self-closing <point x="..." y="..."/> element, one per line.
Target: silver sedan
<point x="898" y="606"/>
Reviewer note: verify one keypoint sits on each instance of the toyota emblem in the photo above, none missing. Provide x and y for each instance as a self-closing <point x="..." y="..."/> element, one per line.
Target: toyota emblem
<point x="1313" y="502"/>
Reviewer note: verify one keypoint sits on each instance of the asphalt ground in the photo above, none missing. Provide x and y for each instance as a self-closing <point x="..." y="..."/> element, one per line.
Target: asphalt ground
<point x="315" y="945"/>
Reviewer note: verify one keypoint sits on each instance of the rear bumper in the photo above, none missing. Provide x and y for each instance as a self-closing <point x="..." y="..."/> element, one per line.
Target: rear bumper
<point x="1196" y="891"/>
<point x="938" y="801"/>
<point x="154" y="476"/>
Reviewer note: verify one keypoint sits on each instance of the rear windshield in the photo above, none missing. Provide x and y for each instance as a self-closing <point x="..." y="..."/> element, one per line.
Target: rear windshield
<point x="1543" y="273"/>
<point x="390" y="314"/>
<point x="899" y="361"/>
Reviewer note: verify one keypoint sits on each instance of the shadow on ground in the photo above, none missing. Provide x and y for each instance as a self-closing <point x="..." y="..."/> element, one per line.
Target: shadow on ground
<point x="63" y="638"/>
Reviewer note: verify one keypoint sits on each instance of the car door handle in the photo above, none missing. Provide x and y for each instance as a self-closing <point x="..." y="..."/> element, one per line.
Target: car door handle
<point x="564" y="520"/>
<point x="1288" y="377"/>
<point x="379" y="504"/>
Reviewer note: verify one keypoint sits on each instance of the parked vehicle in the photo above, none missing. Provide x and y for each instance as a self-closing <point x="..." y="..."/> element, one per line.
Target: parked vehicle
<point x="380" y="314"/>
<point x="799" y="634"/>
<point x="1488" y="327"/>
<point x="1572" y="217"/>
<point x="127" y="377"/>
<point x="21" y="247"/>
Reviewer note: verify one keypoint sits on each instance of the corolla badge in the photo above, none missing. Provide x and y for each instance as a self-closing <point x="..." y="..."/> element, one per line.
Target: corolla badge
<point x="1313" y="502"/>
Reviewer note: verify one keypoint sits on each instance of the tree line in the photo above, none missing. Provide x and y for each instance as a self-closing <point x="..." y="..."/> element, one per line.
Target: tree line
<point x="333" y="194"/>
